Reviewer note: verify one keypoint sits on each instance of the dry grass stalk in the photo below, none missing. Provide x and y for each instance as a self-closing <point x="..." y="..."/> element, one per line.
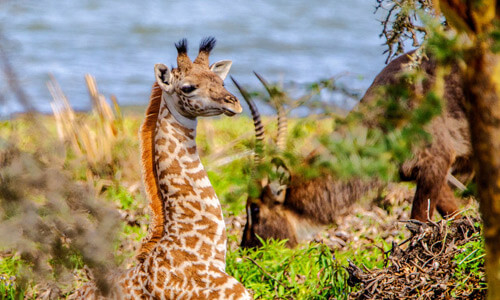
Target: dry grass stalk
<point x="87" y="137"/>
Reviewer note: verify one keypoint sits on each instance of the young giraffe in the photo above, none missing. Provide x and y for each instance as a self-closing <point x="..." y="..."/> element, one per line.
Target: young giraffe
<point x="187" y="256"/>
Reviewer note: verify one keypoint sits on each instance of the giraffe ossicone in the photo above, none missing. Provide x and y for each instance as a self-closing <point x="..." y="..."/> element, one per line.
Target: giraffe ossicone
<point x="184" y="254"/>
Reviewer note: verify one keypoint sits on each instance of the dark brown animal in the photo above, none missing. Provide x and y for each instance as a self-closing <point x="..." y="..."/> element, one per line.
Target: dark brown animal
<point x="309" y="206"/>
<point x="450" y="148"/>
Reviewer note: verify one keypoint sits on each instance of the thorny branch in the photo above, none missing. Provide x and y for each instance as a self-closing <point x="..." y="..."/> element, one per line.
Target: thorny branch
<point x="402" y="23"/>
<point x="424" y="268"/>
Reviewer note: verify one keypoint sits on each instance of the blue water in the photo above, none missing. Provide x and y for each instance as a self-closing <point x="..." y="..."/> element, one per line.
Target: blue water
<point x="119" y="42"/>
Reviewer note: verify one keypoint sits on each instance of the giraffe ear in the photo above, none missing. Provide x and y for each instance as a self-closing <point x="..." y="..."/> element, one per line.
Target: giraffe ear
<point x="221" y="68"/>
<point x="163" y="76"/>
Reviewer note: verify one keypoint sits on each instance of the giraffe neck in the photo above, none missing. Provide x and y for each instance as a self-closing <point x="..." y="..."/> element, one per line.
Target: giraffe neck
<point x="193" y="216"/>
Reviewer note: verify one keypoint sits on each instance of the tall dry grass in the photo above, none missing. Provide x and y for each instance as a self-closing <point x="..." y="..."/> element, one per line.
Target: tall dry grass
<point x="93" y="139"/>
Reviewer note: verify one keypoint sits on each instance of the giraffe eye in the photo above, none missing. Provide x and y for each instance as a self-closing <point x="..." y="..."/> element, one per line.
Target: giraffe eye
<point x="188" y="88"/>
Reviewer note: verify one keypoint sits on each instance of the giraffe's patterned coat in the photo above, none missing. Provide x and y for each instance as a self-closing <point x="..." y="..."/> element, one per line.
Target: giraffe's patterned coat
<point x="184" y="256"/>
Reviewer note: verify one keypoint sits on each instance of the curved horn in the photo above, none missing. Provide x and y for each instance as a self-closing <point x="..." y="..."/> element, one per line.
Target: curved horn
<point x="282" y="120"/>
<point x="282" y="128"/>
<point x="206" y="45"/>
<point x="259" y="129"/>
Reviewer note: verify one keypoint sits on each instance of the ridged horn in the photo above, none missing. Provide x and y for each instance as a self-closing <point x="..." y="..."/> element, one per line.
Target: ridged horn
<point x="259" y="128"/>
<point x="282" y="120"/>
<point x="282" y="128"/>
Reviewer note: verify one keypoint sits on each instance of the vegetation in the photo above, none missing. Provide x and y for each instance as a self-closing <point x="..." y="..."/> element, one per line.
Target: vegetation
<point x="274" y="271"/>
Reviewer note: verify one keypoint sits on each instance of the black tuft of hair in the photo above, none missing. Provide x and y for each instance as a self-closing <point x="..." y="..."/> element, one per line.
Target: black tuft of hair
<point x="207" y="44"/>
<point x="182" y="46"/>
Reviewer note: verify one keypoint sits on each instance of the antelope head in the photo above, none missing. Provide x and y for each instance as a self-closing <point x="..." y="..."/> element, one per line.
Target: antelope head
<point x="266" y="214"/>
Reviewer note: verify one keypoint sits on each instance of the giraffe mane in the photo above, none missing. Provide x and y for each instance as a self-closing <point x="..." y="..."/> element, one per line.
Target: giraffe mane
<point x="147" y="135"/>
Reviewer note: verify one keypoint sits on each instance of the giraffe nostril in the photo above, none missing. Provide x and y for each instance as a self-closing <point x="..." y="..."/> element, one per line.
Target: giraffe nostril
<point x="229" y="99"/>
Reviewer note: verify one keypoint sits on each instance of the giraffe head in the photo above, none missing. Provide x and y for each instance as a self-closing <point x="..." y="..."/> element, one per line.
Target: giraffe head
<point x="197" y="88"/>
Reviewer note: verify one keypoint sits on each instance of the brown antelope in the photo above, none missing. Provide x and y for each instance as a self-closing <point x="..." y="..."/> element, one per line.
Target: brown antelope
<point x="295" y="209"/>
<point x="291" y="207"/>
<point x="184" y="257"/>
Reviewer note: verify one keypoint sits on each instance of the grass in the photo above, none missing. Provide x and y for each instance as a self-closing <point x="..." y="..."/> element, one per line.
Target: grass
<point x="9" y="268"/>
<point x="469" y="271"/>
<point x="277" y="272"/>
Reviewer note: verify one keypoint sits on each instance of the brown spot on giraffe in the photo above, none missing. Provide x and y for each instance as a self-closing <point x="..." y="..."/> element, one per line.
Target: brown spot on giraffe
<point x="191" y="165"/>
<point x="162" y="156"/>
<point x="180" y="256"/>
<point x="220" y="280"/>
<point x="181" y="138"/>
<point x="234" y="291"/>
<point x="184" y="189"/>
<point x="185" y="228"/>
<point x="175" y="168"/>
<point x="161" y="279"/>
<point x="209" y="227"/>
<point x="207" y="192"/>
<point x="205" y="250"/>
<point x="192" y="150"/>
<point x="195" y="205"/>
<point x="181" y="153"/>
<point x="213" y="211"/>
<point x="161" y="141"/>
<point x="191" y="241"/>
<point x="187" y="212"/>
<point x="198" y="175"/>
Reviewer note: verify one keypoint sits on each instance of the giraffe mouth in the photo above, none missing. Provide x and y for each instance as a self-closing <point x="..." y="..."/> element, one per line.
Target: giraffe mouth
<point x="229" y="112"/>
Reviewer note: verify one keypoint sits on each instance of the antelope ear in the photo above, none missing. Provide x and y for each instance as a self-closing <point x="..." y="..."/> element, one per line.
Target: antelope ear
<point x="163" y="76"/>
<point x="221" y="68"/>
<point x="264" y="181"/>
<point x="284" y="175"/>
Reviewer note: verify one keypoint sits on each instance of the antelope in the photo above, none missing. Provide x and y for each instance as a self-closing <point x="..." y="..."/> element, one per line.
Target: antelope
<point x="291" y="207"/>
<point x="184" y="255"/>
<point x="295" y="209"/>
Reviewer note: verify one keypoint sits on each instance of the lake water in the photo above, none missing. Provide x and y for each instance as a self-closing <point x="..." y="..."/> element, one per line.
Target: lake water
<point x="120" y="41"/>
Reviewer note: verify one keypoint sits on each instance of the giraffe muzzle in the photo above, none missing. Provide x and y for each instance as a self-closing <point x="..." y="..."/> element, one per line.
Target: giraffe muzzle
<point x="231" y="106"/>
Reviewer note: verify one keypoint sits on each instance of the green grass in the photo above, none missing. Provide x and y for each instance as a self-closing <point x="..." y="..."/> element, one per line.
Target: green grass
<point x="277" y="272"/>
<point x="470" y="265"/>
<point x="121" y="196"/>
<point x="9" y="268"/>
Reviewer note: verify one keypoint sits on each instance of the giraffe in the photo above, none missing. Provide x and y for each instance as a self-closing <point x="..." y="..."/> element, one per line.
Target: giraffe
<point x="184" y="257"/>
